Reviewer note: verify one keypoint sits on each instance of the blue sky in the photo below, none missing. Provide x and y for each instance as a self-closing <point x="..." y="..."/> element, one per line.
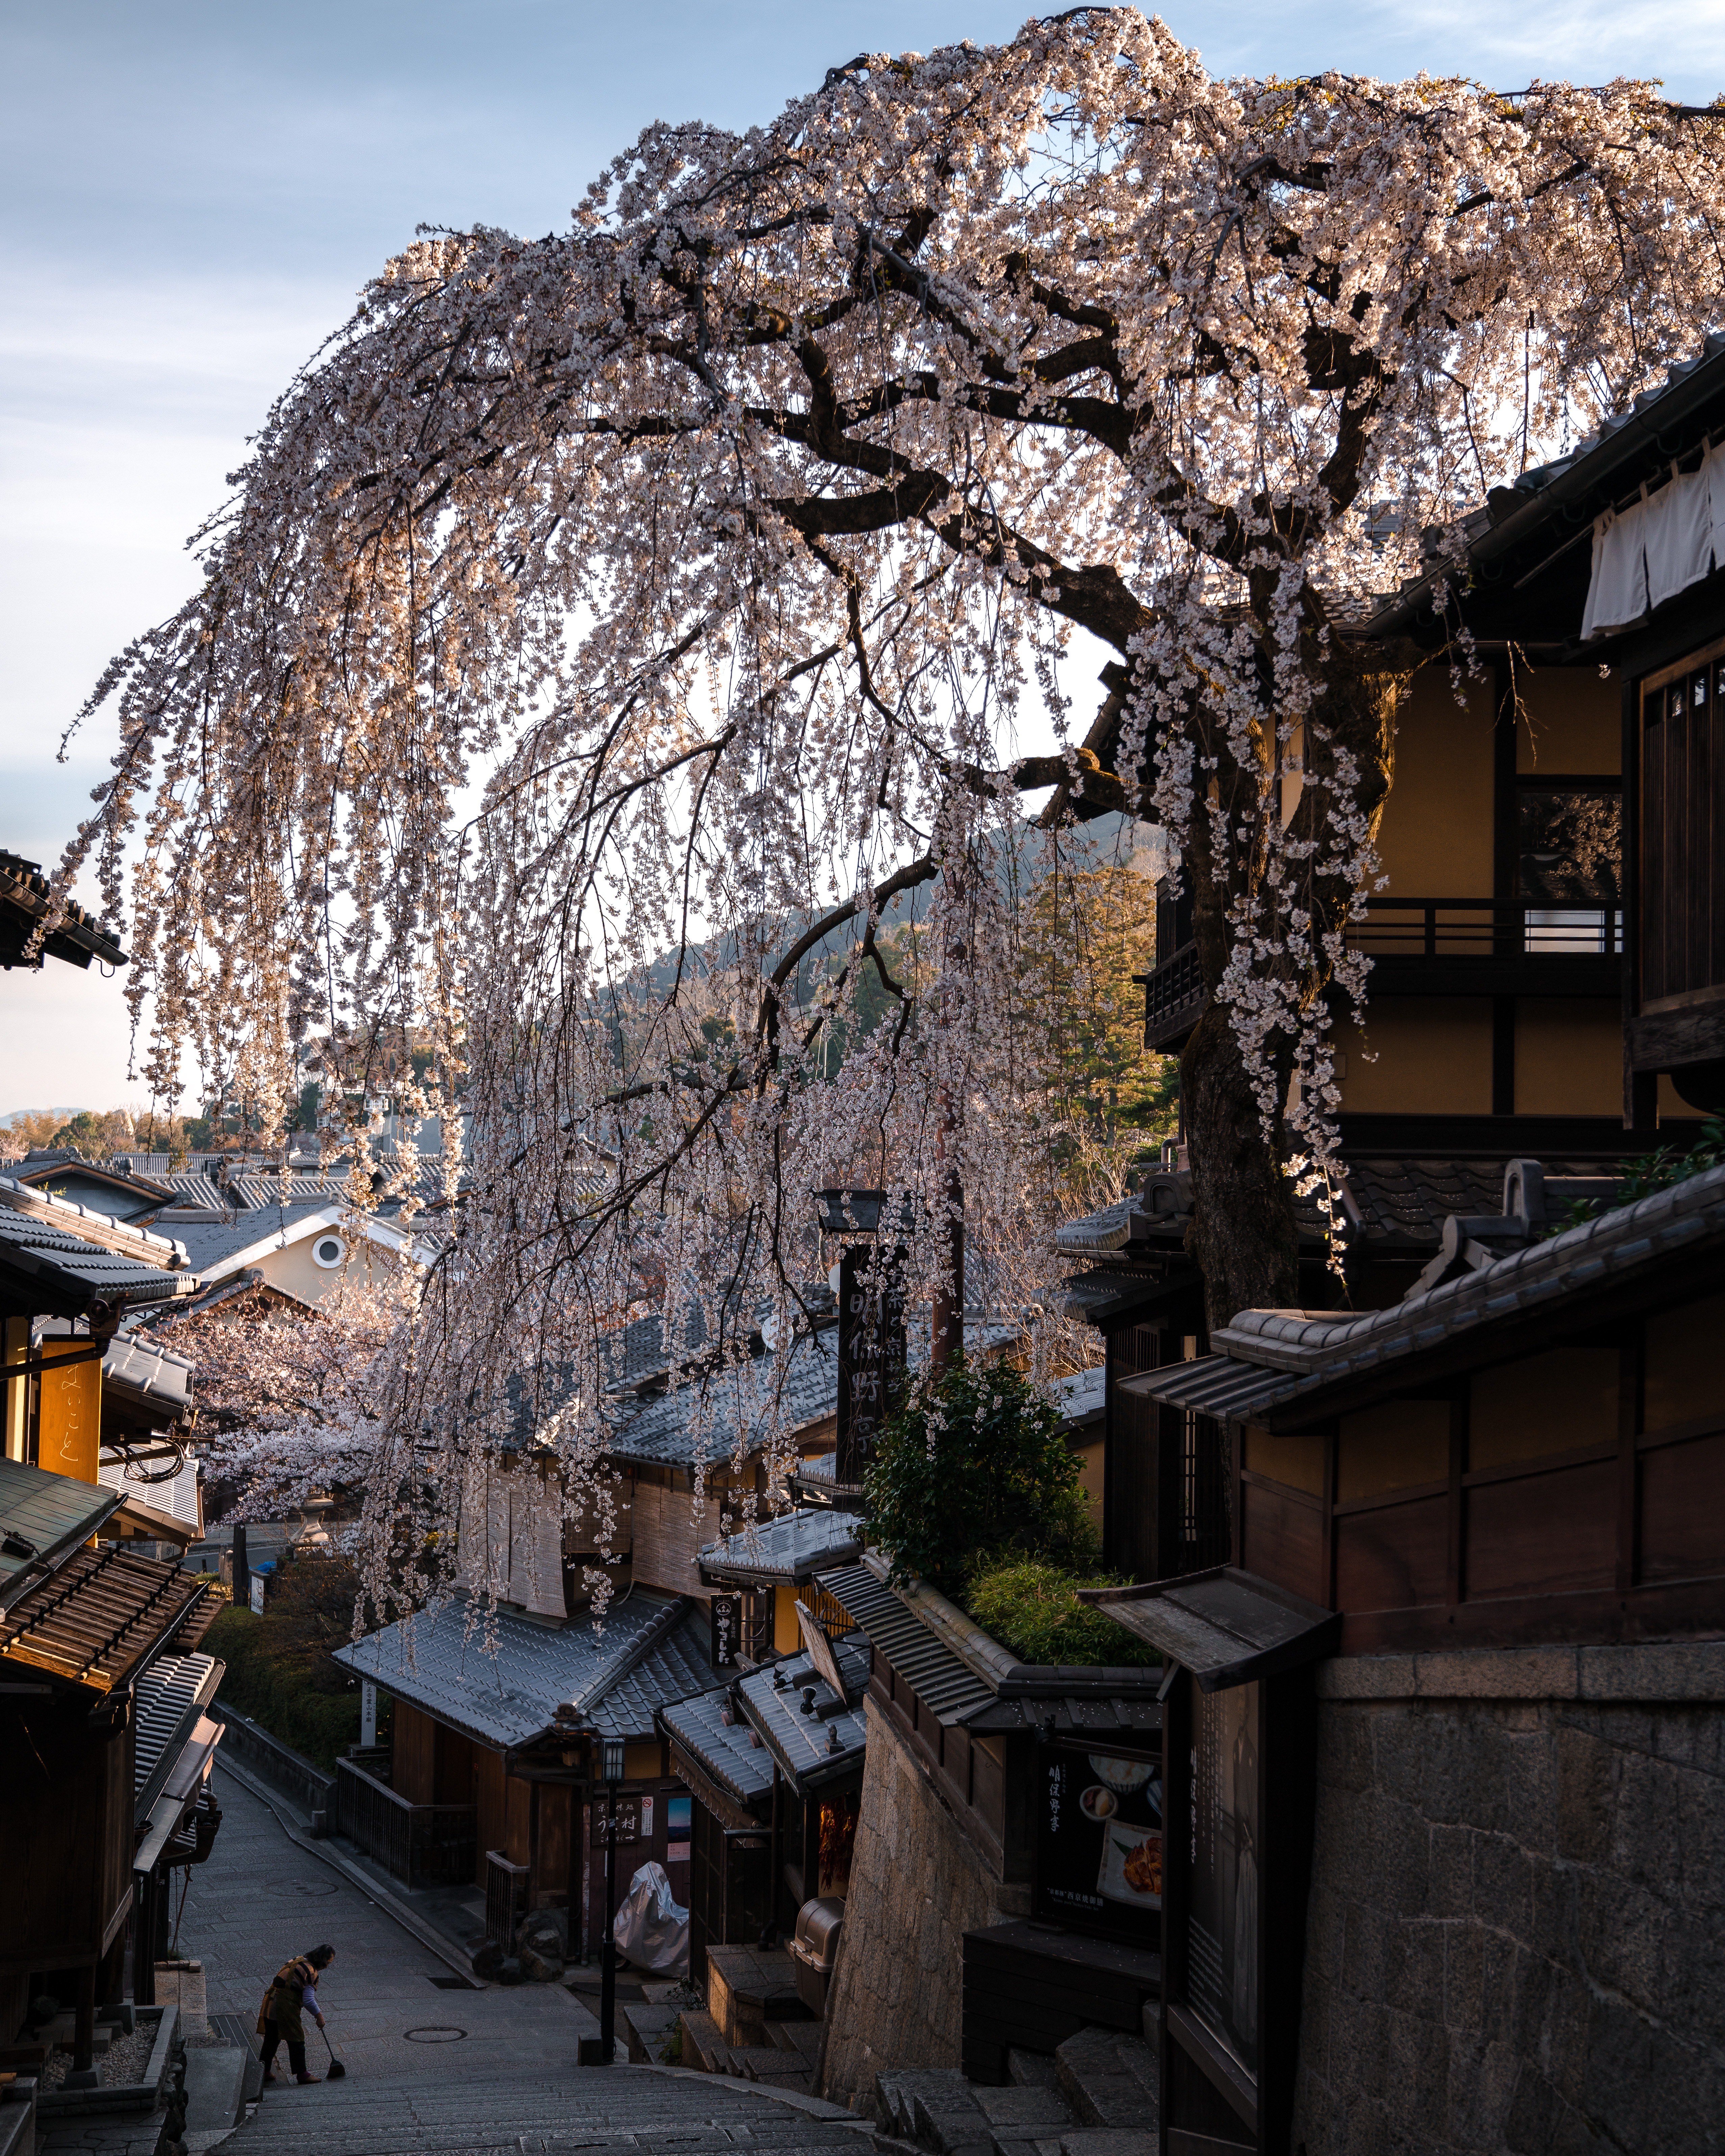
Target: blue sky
<point x="194" y="193"/>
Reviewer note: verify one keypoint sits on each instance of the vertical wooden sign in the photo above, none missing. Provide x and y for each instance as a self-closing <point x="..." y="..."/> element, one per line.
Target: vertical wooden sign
<point x="69" y="1428"/>
<point x="871" y="1360"/>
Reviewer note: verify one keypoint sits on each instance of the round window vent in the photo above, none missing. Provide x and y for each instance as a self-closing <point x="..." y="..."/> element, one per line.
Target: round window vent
<point x="328" y="1251"/>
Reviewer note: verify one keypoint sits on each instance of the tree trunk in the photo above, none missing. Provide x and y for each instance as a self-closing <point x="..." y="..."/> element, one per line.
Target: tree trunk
<point x="1242" y="1236"/>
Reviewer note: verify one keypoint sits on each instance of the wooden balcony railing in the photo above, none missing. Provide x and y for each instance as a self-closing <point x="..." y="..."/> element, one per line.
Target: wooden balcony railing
<point x="421" y="1845"/>
<point x="1487" y="928"/>
<point x="1446" y="946"/>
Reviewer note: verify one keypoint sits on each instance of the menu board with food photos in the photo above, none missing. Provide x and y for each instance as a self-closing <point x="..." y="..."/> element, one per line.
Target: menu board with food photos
<point x="1099" y="1839"/>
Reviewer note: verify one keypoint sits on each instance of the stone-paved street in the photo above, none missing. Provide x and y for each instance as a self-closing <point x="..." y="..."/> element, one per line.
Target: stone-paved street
<point x="507" y="2081"/>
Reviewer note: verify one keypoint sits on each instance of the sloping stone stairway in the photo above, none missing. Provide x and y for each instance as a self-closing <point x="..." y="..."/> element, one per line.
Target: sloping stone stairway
<point x="1099" y="2096"/>
<point x="513" y="2111"/>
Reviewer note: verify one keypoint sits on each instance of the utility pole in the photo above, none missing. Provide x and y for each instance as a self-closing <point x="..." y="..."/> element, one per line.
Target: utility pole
<point x="608" y="1962"/>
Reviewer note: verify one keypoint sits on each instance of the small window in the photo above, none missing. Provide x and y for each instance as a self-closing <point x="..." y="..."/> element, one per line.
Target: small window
<point x="328" y="1251"/>
<point x="1571" y="845"/>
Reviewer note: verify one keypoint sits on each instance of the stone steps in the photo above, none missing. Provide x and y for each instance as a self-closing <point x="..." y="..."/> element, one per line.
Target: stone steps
<point x="1098" y="2095"/>
<point x="619" y="2110"/>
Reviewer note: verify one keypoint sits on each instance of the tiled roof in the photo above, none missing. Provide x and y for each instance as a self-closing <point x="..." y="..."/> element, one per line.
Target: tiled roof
<point x="92" y="1225"/>
<point x="50" y="1513"/>
<point x="719" y="1739"/>
<point x="143" y="1372"/>
<point x="1387" y="1203"/>
<point x="1082" y="1397"/>
<point x="738" y="1405"/>
<point x="788" y="1550"/>
<point x="678" y="1666"/>
<point x="1269" y="1358"/>
<point x="811" y="1749"/>
<point x="500" y="1677"/>
<point x="25" y="896"/>
<point x="166" y="1701"/>
<point x="1538" y="477"/>
<point x="73" y="1273"/>
<point x="96" y="1618"/>
<point x="950" y="1689"/>
<point x="215" y="1244"/>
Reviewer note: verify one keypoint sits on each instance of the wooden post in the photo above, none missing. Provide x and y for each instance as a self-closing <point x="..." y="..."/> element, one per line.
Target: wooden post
<point x="83" y="2028"/>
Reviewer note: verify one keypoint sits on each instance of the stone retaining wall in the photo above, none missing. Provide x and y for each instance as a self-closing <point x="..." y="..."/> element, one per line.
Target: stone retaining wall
<point x="1515" y="1939"/>
<point x="272" y="1760"/>
<point x="917" y="1887"/>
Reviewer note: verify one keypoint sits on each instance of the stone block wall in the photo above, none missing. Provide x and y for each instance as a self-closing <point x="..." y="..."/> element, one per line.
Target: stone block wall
<point x="1516" y="1937"/>
<point x="917" y="1887"/>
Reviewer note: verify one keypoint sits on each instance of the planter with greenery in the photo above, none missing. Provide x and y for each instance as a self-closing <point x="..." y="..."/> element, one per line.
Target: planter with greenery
<point x="976" y="1493"/>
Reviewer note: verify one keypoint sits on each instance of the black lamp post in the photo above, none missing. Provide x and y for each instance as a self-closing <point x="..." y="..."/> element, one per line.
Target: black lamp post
<point x="611" y="1766"/>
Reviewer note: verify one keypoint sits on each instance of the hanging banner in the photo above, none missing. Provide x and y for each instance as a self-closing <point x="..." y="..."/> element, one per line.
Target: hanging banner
<point x="70" y="1428"/>
<point x="727" y="1610"/>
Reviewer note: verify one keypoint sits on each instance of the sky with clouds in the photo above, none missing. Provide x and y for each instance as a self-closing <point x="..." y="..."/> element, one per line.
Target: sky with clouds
<point x="195" y="192"/>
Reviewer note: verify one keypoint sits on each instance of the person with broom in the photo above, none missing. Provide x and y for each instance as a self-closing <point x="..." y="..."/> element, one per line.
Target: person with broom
<point x="281" y="2018"/>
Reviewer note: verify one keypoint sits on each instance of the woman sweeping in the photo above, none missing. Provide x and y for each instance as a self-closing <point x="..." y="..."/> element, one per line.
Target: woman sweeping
<point x="292" y="1991"/>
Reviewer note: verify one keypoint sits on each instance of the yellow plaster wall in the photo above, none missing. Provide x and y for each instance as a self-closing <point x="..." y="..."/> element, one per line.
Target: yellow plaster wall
<point x="1569" y="1058"/>
<point x="1436" y="834"/>
<point x="293" y="1270"/>
<point x="1568" y="720"/>
<point x="787" y="1633"/>
<point x="1434" y="1057"/>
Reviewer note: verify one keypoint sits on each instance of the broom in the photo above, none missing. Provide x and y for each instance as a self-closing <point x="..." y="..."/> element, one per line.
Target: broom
<point x="337" y="2072"/>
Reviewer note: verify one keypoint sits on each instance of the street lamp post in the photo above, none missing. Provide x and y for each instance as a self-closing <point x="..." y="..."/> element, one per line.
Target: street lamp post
<point x="612" y="1768"/>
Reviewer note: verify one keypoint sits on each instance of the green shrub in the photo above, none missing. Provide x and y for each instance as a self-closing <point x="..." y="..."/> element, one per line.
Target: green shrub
<point x="977" y="1461"/>
<point x="1033" y="1608"/>
<point x="279" y="1672"/>
<point x="1648" y="1173"/>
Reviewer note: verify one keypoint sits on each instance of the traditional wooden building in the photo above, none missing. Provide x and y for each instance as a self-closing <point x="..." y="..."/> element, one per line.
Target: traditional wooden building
<point x="1475" y="1598"/>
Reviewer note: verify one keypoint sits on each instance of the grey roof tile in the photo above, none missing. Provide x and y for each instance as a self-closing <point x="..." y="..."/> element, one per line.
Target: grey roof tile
<point x="730" y="1749"/>
<point x="53" y="1513"/>
<point x="811" y="1748"/>
<point x="788" y="1550"/>
<point x="500" y="1677"/>
<point x="1271" y="1357"/>
<point x="37" y="1249"/>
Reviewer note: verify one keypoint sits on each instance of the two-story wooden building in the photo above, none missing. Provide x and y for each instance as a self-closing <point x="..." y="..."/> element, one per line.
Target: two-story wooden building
<point x="1443" y="1746"/>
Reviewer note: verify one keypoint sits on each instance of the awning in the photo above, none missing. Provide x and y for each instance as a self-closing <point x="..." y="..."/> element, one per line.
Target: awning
<point x="167" y="1701"/>
<point x="720" y="1756"/>
<point x="41" y="1516"/>
<point x="784" y="1552"/>
<point x="101" y="1615"/>
<point x="1226" y="1627"/>
<point x="1216" y="1385"/>
<point x="180" y="1793"/>
<point x="145" y="1520"/>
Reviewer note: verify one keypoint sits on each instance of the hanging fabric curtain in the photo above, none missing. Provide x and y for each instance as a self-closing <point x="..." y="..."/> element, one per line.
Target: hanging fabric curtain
<point x="1617" y="592"/>
<point x="1679" y="532"/>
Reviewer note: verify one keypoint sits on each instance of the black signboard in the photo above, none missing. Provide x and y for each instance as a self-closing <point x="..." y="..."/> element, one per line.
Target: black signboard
<point x="1099" y="1840"/>
<point x="872" y="1357"/>
<point x="728" y="1630"/>
<point x="628" y="1821"/>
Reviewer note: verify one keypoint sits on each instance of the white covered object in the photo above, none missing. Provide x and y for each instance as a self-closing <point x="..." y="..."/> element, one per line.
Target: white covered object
<point x="651" y="1928"/>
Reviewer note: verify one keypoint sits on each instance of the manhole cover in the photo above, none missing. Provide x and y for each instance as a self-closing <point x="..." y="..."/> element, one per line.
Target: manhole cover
<point x="307" y="1887"/>
<point x="434" y="2036"/>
